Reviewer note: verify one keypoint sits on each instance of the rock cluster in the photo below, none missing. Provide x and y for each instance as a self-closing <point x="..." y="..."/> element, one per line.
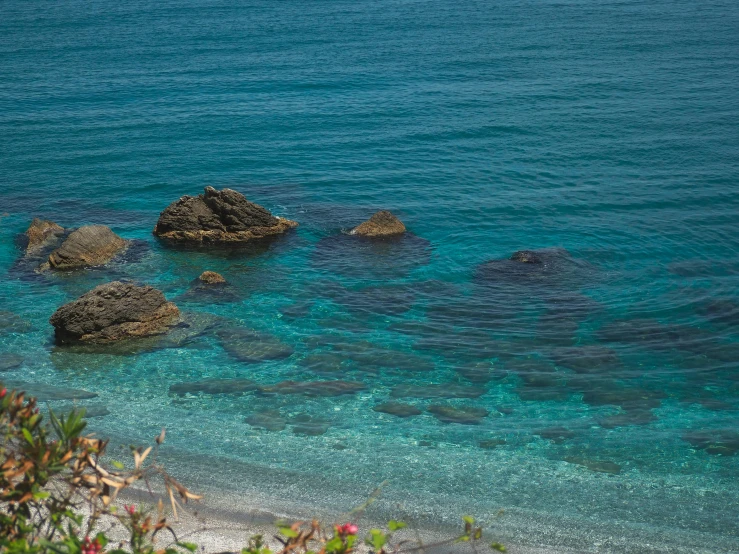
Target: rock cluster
<point x="381" y="224"/>
<point x="112" y="312"/>
<point x="88" y="246"/>
<point x="218" y="216"/>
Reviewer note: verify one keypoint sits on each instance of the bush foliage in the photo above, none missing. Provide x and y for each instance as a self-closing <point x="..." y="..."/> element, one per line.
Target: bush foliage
<point x="56" y="487"/>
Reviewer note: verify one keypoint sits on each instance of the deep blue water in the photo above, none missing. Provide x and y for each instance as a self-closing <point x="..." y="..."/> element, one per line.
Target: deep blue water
<point x="604" y="131"/>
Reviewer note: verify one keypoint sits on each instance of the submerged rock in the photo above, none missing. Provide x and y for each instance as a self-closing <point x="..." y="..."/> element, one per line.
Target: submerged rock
<point x="464" y="415"/>
<point x="10" y="361"/>
<point x="13" y="323"/>
<point x="251" y="346"/>
<point x="270" y="420"/>
<point x="381" y="224"/>
<point x="714" y="441"/>
<point x="314" y="388"/>
<point x="88" y="246"/>
<point x="604" y="466"/>
<point x="526" y="257"/>
<point x="630" y="417"/>
<point x="585" y="359"/>
<point x="224" y="216"/>
<point x="44" y="392"/>
<point x="41" y="233"/>
<point x="211" y="278"/>
<point x="398" y="409"/>
<point x="448" y="390"/>
<point x="214" y="386"/>
<point x="113" y="312"/>
<point x="311" y="426"/>
<point x="324" y="362"/>
<point x="481" y="372"/>
<point x="491" y="444"/>
<point x="556" y="434"/>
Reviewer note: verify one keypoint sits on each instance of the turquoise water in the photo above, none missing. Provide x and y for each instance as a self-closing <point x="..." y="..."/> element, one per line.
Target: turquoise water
<point x="603" y="132"/>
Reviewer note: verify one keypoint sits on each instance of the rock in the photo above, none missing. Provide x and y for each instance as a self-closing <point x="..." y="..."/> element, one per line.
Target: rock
<point x="381" y="224"/>
<point x="251" y="346"/>
<point x="464" y="415"/>
<point x="112" y="312"/>
<point x="481" y="372"/>
<point x="448" y="390"/>
<point x="211" y="278"/>
<point x="604" y="466"/>
<point x="630" y="417"/>
<point x="214" y="386"/>
<point x="585" y="359"/>
<point x="10" y="361"/>
<point x="324" y="362"/>
<point x="13" y="323"/>
<point x="88" y="246"/>
<point x="43" y="392"/>
<point x="398" y="409"/>
<point x="311" y="426"/>
<point x="490" y="444"/>
<point x="556" y="434"/>
<point x="505" y="409"/>
<point x="40" y="233"/>
<point x="526" y="257"/>
<point x="714" y="441"/>
<point x="314" y="388"/>
<point x="270" y="420"/>
<point x="224" y="216"/>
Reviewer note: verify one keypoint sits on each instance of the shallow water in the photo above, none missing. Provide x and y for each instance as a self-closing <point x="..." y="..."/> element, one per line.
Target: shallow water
<point x="602" y="134"/>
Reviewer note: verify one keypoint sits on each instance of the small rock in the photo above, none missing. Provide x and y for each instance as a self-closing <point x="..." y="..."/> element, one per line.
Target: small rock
<point x="436" y="391"/>
<point x="211" y="278"/>
<point x="43" y="392"/>
<point x="490" y="444"/>
<point x="305" y="424"/>
<point x="381" y="224"/>
<point x="40" y="233"/>
<point x="556" y="434"/>
<point x="88" y="246"/>
<point x="464" y="415"/>
<point x="314" y="388"/>
<point x="397" y="409"/>
<point x="270" y="420"/>
<point x="214" y="386"/>
<point x="10" y="361"/>
<point x="251" y="346"/>
<point x="595" y="465"/>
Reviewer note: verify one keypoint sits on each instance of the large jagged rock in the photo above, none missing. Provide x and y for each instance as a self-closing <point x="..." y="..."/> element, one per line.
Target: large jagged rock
<point x="381" y="224"/>
<point x="88" y="246"/>
<point x="112" y="312"/>
<point x="40" y="233"/>
<point x="218" y="216"/>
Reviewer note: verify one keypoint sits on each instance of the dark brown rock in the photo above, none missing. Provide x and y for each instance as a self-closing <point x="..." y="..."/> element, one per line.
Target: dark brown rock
<point x="211" y="278"/>
<point x="398" y="409"/>
<point x="40" y="233"/>
<point x="381" y="224"/>
<point x="112" y="312"/>
<point x="224" y="216"/>
<point x="464" y="415"/>
<point x="88" y="246"/>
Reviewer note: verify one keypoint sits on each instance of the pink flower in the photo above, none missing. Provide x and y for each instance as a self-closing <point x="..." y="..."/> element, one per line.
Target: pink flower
<point x="91" y="547"/>
<point x="3" y="393"/>
<point x="130" y="509"/>
<point x="349" y="529"/>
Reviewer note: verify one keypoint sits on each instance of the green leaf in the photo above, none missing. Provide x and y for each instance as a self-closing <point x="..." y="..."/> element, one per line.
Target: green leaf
<point x="289" y="532"/>
<point x="117" y="465"/>
<point x="27" y="435"/>
<point x="468" y="519"/>
<point x="394" y="525"/>
<point x="499" y="547"/>
<point x="192" y="547"/>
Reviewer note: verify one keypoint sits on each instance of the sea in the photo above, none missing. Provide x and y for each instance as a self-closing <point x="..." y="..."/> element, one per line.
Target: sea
<point x="589" y="402"/>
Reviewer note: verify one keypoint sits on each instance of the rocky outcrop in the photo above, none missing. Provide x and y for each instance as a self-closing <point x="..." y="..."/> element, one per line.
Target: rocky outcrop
<point x="382" y="224"/>
<point x="526" y="257"/>
<point x="113" y="312"/>
<point x="218" y="216"/>
<point x="88" y="246"/>
<point x="40" y="233"/>
<point x="211" y="278"/>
